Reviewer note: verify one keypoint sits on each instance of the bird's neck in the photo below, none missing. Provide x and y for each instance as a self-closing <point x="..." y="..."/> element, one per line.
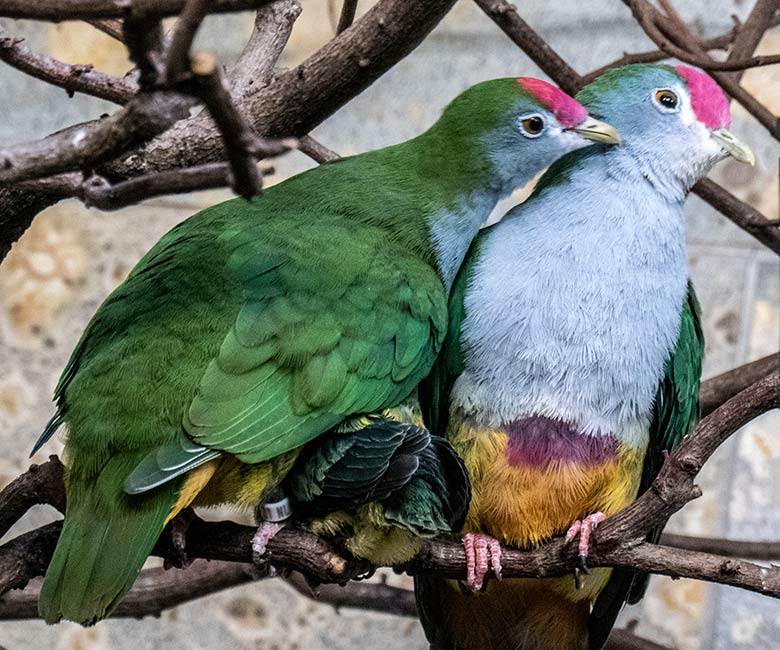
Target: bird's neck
<point x="450" y="186"/>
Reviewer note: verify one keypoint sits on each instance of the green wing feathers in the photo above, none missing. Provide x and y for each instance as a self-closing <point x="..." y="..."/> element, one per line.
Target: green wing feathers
<point x="417" y="479"/>
<point x="306" y="350"/>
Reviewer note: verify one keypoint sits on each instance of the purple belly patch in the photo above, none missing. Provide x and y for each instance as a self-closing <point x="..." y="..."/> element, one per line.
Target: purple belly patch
<point x="537" y="440"/>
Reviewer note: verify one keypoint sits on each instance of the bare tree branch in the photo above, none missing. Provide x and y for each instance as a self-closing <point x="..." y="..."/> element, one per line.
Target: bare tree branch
<point x="672" y="35"/>
<point x="177" y="62"/>
<point x="292" y="103"/>
<point x="762" y="17"/>
<point x="648" y="17"/>
<point x="717" y="390"/>
<point x="316" y="150"/>
<point x="764" y="551"/>
<point x="39" y="484"/>
<point x="505" y="15"/>
<point x="97" y="192"/>
<point x="618" y="541"/>
<point x="272" y="29"/>
<point x="741" y="213"/>
<point x="88" y="145"/>
<point x="71" y="78"/>
<point x="57" y="11"/>
<point x="721" y="42"/>
<point x="347" y="17"/>
<point x="153" y="592"/>
<point x="109" y="26"/>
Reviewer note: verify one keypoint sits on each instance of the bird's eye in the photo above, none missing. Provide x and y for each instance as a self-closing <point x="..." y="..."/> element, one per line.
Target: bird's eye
<point x="666" y="100"/>
<point x="532" y="126"/>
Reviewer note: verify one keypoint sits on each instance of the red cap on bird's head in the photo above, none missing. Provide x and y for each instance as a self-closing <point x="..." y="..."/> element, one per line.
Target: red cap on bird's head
<point x="709" y="104"/>
<point x="568" y="111"/>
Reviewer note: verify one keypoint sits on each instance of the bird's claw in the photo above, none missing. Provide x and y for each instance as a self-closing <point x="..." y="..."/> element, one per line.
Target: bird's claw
<point x="179" y="526"/>
<point x="583" y="528"/>
<point x="483" y="553"/>
<point x="266" y="531"/>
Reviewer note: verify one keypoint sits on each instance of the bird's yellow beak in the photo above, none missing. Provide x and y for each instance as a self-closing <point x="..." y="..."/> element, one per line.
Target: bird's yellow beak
<point x="733" y="146"/>
<point x="598" y="131"/>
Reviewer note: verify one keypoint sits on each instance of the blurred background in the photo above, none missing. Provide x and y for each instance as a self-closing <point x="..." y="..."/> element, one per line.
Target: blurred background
<point x="72" y="257"/>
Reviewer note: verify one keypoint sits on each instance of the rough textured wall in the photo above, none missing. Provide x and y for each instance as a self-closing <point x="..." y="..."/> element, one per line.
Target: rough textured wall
<point x="72" y="257"/>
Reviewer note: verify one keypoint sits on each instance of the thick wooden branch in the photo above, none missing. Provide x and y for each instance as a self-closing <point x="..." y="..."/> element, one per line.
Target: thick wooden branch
<point x="272" y="29"/>
<point x="157" y="590"/>
<point x="57" y="10"/>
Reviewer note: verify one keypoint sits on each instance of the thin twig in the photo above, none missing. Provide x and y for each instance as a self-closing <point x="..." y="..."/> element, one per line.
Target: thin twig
<point x="765" y="551"/>
<point x="272" y="29"/>
<point x="177" y="57"/>
<point x="741" y="213"/>
<point x="143" y="36"/>
<point x="722" y="42"/>
<point x="98" y="192"/>
<point x="666" y="30"/>
<point x="109" y="26"/>
<point x="347" y="17"/>
<point x="719" y="389"/>
<point x="57" y="11"/>
<point x="505" y="15"/>
<point x="749" y="34"/>
<point x="71" y="78"/>
<point x="647" y="17"/>
<point x="316" y="150"/>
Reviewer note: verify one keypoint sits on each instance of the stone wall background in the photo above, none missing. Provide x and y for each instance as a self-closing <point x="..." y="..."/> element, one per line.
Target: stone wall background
<point x="72" y="257"/>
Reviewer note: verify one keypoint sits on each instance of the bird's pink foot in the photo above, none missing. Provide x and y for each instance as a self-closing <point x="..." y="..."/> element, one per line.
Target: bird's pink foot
<point x="584" y="527"/>
<point x="266" y="531"/>
<point x="483" y="553"/>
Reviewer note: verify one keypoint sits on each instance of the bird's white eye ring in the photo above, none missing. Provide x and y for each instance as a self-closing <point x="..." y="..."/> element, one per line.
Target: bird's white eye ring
<point x="532" y="126"/>
<point x="666" y="100"/>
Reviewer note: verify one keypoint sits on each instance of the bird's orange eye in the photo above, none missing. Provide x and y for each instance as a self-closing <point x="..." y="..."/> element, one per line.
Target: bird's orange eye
<point x="666" y="99"/>
<point x="533" y="125"/>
